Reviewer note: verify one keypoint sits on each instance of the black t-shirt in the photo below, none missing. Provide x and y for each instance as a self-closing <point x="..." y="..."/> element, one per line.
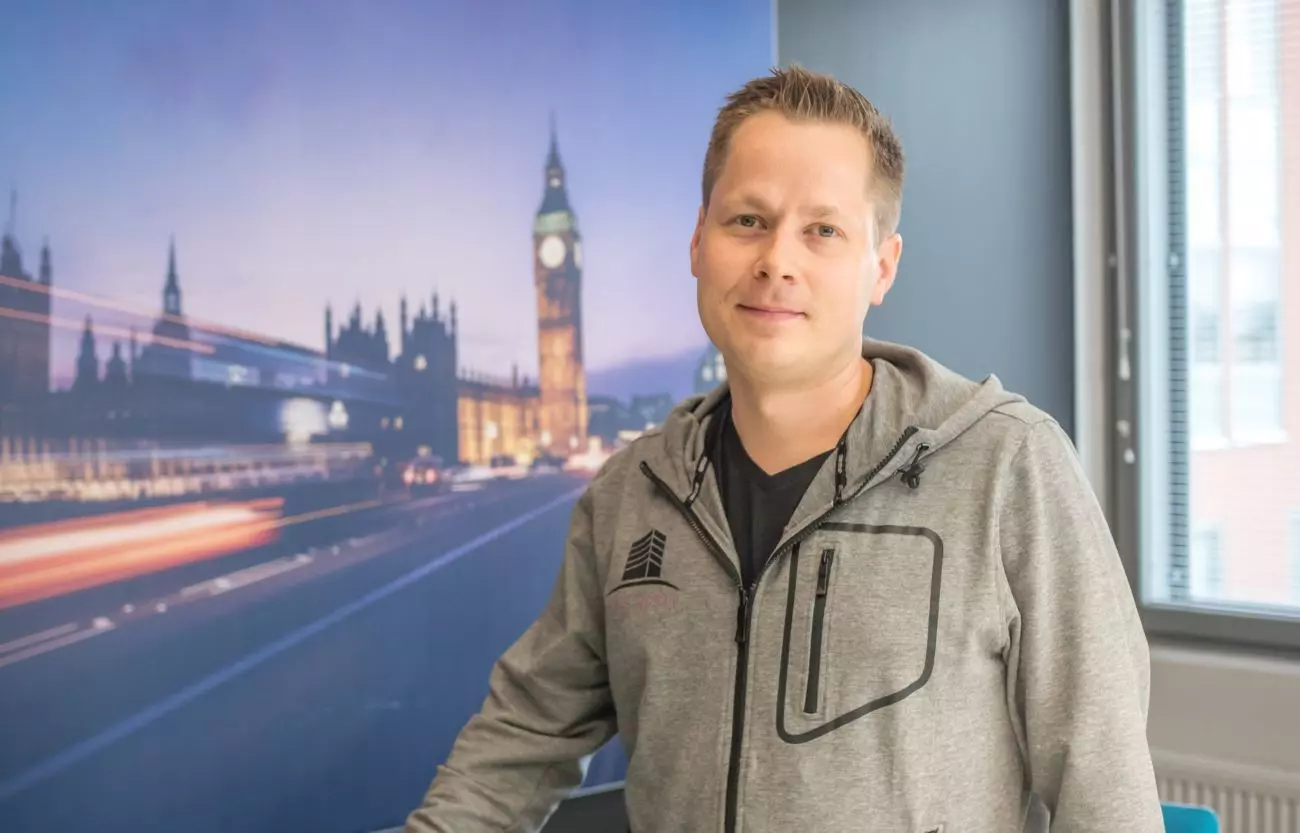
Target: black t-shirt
<point x="758" y="504"/>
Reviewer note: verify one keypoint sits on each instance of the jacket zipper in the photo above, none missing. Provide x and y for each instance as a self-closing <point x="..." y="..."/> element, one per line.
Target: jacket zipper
<point x="742" y="637"/>
<point x="815" y="651"/>
<point x="747" y="602"/>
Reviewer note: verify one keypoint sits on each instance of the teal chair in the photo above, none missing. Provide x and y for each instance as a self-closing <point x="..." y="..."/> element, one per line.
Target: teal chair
<point x="1185" y="818"/>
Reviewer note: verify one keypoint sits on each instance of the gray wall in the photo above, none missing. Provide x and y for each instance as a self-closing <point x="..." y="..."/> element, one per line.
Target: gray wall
<point x="979" y="92"/>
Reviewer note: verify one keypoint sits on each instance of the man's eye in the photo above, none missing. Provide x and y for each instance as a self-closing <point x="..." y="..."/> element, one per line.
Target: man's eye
<point x="826" y="231"/>
<point x="747" y="220"/>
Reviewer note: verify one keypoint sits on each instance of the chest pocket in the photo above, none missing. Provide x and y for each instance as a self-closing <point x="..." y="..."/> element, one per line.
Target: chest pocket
<point x="861" y="622"/>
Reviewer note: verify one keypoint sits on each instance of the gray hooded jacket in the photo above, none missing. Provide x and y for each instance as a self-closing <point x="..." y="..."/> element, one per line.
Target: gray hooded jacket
<point x="944" y="628"/>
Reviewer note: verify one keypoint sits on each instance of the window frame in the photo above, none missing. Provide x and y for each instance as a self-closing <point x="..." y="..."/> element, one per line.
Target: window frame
<point x="1142" y="207"/>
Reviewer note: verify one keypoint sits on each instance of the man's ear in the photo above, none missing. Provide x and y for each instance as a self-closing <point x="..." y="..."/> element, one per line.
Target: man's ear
<point x="695" y="243"/>
<point x="888" y="254"/>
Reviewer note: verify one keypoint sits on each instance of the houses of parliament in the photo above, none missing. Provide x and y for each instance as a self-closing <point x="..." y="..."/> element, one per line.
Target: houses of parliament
<point x="192" y="382"/>
<point x="24" y="328"/>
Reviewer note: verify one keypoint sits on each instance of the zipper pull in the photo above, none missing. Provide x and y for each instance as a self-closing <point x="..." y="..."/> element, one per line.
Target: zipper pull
<point x="911" y="473"/>
<point x="697" y="482"/>
<point x="824" y="574"/>
<point x="742" y="619"/>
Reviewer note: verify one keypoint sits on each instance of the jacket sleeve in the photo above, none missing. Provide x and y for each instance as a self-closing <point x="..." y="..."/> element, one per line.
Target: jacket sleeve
<point x="548" y="709"/>
<point x="1078" y="663"/>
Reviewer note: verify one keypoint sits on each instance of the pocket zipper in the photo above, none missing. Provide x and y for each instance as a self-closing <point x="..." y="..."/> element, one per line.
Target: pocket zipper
<point x="819" y="615"/>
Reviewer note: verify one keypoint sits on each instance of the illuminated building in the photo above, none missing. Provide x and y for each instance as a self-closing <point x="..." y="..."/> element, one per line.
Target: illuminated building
<point x="562" y="381"/>
<point x="24" y="329"/>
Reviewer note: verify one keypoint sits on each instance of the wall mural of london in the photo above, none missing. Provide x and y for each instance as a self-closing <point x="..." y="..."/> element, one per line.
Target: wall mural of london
<point x="315" y="319"/>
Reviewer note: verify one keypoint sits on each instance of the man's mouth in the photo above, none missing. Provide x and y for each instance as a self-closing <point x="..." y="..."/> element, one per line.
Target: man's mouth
<point x="771" y="313"/>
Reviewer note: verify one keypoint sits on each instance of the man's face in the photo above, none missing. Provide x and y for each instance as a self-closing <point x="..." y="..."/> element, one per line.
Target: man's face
<point x="784" y="256"/>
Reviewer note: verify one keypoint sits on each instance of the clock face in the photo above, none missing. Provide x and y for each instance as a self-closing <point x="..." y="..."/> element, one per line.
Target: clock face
<point x="551" y="251"/>
<point x="577" y="254"/>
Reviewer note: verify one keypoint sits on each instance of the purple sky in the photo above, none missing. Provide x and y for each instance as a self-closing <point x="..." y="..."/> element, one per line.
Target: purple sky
<point x="311" y="152"/>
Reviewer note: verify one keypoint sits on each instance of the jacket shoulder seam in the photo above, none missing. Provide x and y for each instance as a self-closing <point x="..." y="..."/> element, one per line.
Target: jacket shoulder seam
<point x="1026" y="415"/>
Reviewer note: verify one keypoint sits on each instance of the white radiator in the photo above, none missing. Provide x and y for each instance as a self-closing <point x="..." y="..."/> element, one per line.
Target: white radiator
<point x="1248" y="799"/>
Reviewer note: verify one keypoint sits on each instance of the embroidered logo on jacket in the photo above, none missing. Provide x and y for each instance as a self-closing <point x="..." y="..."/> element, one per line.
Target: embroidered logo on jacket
<point x="645" y="562"/>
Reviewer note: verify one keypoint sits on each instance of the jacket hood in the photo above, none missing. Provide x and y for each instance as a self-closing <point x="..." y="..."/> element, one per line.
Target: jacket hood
<point x="912" y="397"/>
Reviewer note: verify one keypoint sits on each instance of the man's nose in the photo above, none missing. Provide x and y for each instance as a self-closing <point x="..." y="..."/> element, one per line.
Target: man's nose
<point x="778" y="259"/>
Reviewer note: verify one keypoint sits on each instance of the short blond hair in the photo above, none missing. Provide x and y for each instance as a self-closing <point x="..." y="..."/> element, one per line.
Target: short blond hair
<point x="803" y="95"/>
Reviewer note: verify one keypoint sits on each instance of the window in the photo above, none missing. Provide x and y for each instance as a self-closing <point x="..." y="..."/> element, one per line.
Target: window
<point x="1231" y="164"/>
<point x="1207" y="163"/>
<point x="1255" y="414"/>
<point x="1206" y="338"/>
<point x="1294" y="545"/>
<point x="1206" y="564"/>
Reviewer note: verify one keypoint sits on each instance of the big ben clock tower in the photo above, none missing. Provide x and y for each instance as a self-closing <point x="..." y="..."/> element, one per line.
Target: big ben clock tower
<point x="557" y="276"/>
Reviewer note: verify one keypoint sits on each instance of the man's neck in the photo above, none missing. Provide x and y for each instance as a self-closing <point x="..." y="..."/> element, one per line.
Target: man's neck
<point x="782" y="428"/>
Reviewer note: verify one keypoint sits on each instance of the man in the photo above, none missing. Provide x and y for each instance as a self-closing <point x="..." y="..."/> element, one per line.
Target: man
<point x="848" y="590"/>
